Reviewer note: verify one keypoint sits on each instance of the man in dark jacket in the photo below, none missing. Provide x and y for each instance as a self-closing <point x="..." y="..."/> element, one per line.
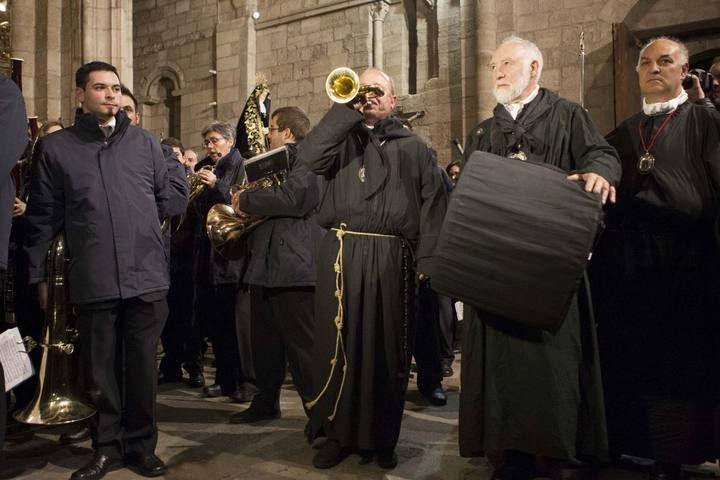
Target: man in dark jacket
<point x="526" y="392"/>
<point x="13" y="138"/>
<point x="105" y="183"/>
<point x="281" y="272"/>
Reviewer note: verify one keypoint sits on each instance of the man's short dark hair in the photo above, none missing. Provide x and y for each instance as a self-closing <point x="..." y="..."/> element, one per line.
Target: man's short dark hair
<point x="83" y="73"/>
<point x="173" y="142"/>
<point x="126" y="91"/>
<point x="294" y="119"/>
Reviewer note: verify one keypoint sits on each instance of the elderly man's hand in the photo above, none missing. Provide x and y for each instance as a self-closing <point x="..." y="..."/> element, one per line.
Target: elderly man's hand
<point x="596" y="184"/>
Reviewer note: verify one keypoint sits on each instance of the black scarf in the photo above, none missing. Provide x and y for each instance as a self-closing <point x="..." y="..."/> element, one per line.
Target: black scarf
<point x="510" y="136"/>
<point x="377" y="167"/>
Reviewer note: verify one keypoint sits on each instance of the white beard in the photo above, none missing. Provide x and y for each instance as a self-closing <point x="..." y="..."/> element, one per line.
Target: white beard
<point x="506" y="95"/>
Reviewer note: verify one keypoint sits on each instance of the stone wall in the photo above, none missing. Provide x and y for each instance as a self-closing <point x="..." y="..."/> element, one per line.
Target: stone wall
<point x="204" y="54"/>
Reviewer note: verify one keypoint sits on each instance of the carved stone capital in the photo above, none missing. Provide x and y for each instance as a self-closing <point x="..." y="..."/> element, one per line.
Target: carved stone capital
<point x="379" y="10"/>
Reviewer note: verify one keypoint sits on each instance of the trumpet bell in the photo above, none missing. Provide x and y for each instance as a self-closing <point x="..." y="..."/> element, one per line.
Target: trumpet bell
<point x="342" y="85"/>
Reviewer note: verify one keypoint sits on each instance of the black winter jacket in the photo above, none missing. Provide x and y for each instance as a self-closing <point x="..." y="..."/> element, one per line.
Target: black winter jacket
<point x="283" y="250"/>
<point x="109" y="195"/>
<point x="13" y="140"/>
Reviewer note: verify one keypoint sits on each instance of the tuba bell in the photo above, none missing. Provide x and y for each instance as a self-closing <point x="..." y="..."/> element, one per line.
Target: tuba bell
<point x="56" y="399"/>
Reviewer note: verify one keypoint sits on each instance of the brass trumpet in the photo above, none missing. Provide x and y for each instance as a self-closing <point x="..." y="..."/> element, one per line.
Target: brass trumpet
<point x="195" y="183"/>
<point x="343" y="86"/>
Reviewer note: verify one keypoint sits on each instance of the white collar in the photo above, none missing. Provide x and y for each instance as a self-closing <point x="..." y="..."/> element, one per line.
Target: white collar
<point x="515" y="108"/>
<point x="110" y="124"/>
<point x="662" y="108"/>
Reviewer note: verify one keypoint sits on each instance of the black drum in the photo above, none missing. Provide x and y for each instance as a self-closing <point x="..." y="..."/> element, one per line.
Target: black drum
<point x="516" y="239"/>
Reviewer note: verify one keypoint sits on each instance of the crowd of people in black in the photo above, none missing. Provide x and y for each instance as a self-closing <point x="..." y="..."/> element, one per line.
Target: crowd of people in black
<point x="336" y="282"/>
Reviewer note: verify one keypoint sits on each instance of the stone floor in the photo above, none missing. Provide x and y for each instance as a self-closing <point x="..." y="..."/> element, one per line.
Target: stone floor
<point x="197" y="442"/>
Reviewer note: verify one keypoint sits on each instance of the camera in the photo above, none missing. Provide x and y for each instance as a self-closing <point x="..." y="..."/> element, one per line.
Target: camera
<point x="706" y="79"/>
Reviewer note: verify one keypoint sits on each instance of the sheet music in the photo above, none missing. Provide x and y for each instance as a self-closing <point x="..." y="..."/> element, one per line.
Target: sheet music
<point x="15" y="362"/>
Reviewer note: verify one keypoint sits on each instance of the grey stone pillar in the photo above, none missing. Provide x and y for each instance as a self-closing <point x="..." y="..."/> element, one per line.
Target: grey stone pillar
<point x="378" y="12"/>
<point x="486" y="41"/>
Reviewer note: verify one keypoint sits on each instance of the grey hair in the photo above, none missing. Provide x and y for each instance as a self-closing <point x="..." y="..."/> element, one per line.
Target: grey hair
<point x="684" y="54"/>
<point x="530" y="51"/>
<point x="223" y="128"/>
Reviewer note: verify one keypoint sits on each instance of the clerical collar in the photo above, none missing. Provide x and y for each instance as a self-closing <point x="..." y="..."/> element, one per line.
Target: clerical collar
<point x="515" y="108"/>
<point x="663" y="108"/>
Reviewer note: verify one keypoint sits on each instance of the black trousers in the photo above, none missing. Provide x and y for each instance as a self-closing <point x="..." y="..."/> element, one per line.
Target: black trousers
<point x="427" y="339"/>
<point x="228" y="321"/>
<point x="447" y="322"/>
<point x="182" y="341"/>
<point x="282" y="333"/>
<point x="118" y="358"/>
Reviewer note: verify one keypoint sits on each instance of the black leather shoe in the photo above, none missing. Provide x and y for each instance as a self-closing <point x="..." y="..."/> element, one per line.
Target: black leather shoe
<point x="97" y="468"/>
<point x="447" y="370"/>
<point x="666" y="471"/>
<point x="169" y="376"/>
<point x="79" y="436"/>
<point x="387" y="458"/>
<point x="436" y="396"/>
<point x="196" y="380"/>
<point x="241" y="396"/>
<point x="255" y="414"/>
<point x="147" y="465"/>
<point x="330" y="454"/>
<point x="213" y="390"/>
<point x="511" y="472"/>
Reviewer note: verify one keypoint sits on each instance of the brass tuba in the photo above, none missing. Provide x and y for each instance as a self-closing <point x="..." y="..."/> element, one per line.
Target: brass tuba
<point x="343" y="86"/>
<point x="56" y="399"/>
<point x="225" y="228"/>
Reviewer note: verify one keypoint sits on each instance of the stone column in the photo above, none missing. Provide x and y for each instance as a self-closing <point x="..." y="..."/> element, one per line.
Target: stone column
<point x="378" y="12"/>
<point x="235" y="65"/>
<point x="22" y="31"/>
<point x="107" y="34"/>
<point x="486" y="40"/>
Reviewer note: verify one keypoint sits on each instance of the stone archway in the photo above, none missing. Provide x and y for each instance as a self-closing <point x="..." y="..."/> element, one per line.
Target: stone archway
<point x="160" y="98"/>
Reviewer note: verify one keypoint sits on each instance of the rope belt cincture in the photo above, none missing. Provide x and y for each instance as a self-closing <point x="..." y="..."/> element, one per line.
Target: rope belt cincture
<point x="339" y="317"/>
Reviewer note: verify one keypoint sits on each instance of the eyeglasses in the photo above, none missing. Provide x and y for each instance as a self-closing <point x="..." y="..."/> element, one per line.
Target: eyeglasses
<point x="213" y="140"/>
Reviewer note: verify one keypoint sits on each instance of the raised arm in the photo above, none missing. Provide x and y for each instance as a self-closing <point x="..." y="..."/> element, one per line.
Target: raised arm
<point x="319" y="150"/>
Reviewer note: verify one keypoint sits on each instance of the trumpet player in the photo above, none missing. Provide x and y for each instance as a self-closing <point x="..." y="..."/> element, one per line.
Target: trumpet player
<point x="383" y="203"/>
<point x="105" y="182"/>
<point x="281" y="272"/>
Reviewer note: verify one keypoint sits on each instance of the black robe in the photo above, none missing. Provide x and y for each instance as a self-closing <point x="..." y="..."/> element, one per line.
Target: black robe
<point x="523" y="388"/>
<point x="655" y="280"/>
<point x="403" y="195"/>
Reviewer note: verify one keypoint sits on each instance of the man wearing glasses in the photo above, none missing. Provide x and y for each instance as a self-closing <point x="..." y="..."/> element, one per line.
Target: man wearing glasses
<point x="218" y="281"/>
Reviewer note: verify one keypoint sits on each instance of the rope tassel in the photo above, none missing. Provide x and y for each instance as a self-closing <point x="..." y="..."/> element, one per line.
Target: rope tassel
<point x="340" y="319"/>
